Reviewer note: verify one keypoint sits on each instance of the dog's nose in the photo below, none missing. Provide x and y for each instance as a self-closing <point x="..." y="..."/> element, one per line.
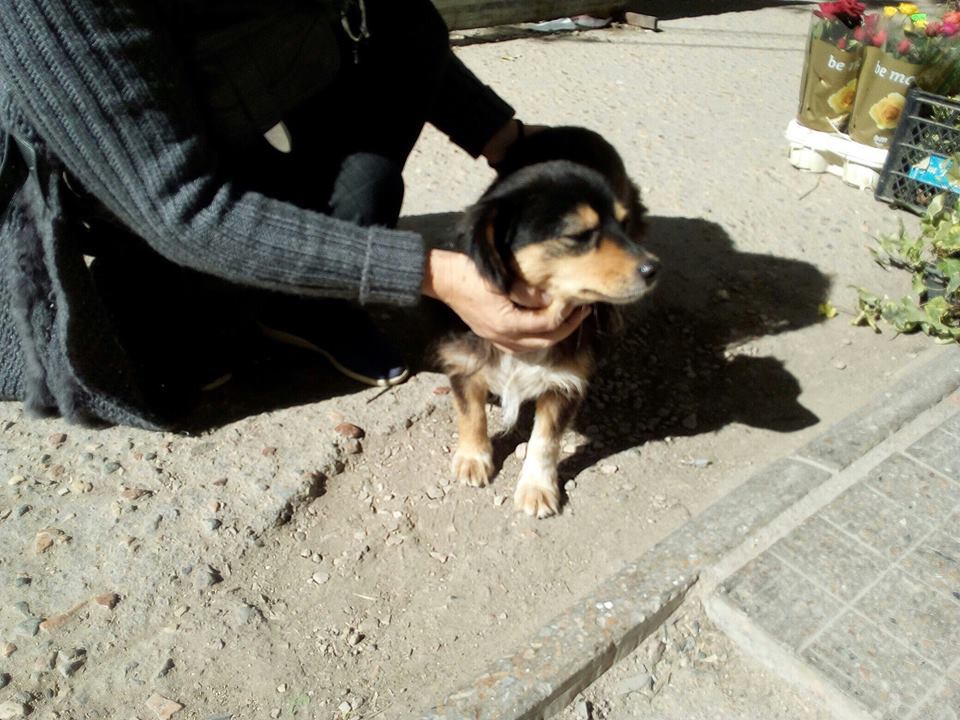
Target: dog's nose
<point x="648" y="270"/>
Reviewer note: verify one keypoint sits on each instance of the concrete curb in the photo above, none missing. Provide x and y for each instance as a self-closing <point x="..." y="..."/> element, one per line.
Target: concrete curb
<point x="569" y="653"/>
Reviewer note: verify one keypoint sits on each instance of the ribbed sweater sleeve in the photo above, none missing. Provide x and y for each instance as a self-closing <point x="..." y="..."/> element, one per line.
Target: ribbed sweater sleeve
<point x="106" y="91"/>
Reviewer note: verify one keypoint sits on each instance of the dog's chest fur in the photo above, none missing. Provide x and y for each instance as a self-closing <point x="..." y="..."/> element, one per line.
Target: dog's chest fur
<point x="517" y="378"/>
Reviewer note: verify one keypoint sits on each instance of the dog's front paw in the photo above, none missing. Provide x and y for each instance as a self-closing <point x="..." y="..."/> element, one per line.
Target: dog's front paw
<point x="538" y="497"/>
<point x="473" y="467"/>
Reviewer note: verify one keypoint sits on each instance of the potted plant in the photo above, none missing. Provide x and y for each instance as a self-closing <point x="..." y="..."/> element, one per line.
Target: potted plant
<point x="933" y="260"/>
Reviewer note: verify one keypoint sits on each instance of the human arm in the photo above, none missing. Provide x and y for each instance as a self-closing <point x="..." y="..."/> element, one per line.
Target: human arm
<point x="105" y="89"/>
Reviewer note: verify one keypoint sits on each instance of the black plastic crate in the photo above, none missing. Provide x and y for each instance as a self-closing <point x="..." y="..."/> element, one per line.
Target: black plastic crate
<point x="927" y="137"/>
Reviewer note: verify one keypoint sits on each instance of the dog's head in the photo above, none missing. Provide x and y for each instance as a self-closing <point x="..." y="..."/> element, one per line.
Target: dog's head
<point x="559" y="227"/>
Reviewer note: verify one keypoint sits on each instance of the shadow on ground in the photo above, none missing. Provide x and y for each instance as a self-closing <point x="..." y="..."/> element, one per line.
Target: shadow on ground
<point x="683" y="366"/>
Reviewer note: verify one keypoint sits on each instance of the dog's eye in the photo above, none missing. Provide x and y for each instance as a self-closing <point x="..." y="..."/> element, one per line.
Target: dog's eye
<point x="585" y="236"/>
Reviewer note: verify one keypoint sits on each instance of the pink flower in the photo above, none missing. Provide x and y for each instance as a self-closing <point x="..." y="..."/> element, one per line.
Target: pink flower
<point x="932" y="29"/>
<point x="859" y="34"/>
<point x="904" y="46"/>
<point x="880" y="39"/>
<point x="949" y="29"/>
<point x="842" y="43"/>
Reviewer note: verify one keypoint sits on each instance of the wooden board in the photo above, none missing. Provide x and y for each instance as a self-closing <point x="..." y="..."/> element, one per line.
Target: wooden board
<point x="464" y="14"/>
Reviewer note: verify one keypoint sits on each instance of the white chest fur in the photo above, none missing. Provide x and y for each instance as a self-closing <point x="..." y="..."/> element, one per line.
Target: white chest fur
<point x="517" y="378"/>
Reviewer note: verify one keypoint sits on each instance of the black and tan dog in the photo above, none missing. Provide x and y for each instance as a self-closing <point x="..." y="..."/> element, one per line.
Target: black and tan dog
<point x="569" y="227"/>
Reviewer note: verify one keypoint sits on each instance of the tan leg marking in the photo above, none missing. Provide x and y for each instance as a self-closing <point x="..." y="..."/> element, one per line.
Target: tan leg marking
<point x="473" y="460"/>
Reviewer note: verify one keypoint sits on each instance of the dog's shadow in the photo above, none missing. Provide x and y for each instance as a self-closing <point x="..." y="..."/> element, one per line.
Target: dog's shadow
<point x="684" y="364"/>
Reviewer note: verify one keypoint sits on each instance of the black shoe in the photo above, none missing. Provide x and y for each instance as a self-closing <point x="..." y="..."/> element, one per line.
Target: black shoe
<point x="345" y="336"/>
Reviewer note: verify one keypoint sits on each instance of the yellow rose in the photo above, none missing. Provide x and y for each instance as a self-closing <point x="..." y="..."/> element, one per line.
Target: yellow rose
<point x="908" y="8"/>
<point x="919" y="24"/>
<point x="886" y="111"/>
<point x="889" y="11"/>
<point x="842" y="100"/>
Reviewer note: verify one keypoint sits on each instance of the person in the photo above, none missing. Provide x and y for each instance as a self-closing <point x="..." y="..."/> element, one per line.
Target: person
<point x="170" y="164"/>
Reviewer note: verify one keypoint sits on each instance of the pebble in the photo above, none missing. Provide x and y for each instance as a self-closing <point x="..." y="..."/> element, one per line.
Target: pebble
<point x="163" y="707"/>
<point x="352" y="447"/>
<point x="22" y="510"/>
<point x="275" y="713"/>
<point x="608" y="469"/>
<point x="583" y="711"/>
<point x="206" y="577"/>
<point x="212" y="524"/>
<point x="441" y="390"/>
<point x="80" y="486"/>
<point x="7" y="649"/>
<point x="107" y="600"/>
<point x="268" y="451"/>
<point x="110" y="467"/>
<point x="214" y="506"/>
<point x="569" y="448"/>
<point x="320" y="577"/>
<point x="167" y="666"/>
<point x="134" y="493"/>
<point x="28" y="628"/>
<point x="570" y="485"/>
<point x="521" y="451"/>
<point x="57" y="439"/>
<point x="69" y="662"/>
<point x="282" y="688"/>
<point x="839" y="364"/>
<point x="16" y="480"/>
<point x="23" y="608"/>
<point x="343" y="707"/>
<point x="349" y="430"/>
<point x="4" y="680"/>
<point x="10" y="710"/>
<point x="434" y="493"/>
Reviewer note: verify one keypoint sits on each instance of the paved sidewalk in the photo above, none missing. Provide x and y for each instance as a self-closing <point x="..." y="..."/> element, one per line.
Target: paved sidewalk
<point x="859" y="603"/>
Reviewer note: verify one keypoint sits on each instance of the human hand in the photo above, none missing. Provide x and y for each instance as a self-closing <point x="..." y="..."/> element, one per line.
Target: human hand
<point x="524" y="321"/>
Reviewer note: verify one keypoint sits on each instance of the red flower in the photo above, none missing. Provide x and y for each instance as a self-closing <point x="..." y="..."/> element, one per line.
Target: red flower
<point x="879" y="39"/>
<point x="904" y="46"/>
<point x="848" y="12"/>
<point x="952" y="17"/>
<point x="859" y="34"/>
<point x="932" y="28"/>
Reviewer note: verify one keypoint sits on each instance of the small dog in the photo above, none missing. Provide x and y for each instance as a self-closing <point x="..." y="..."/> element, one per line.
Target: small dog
<point x="564" y="217"/>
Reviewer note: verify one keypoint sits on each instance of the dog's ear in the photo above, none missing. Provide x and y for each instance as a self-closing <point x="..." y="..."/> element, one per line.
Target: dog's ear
<point x="486" y="229"/>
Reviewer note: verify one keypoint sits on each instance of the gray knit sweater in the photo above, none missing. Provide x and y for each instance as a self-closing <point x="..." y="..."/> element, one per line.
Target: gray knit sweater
<point x="98" y="87"/>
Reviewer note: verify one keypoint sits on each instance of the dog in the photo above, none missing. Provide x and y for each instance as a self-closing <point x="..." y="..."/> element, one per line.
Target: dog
<point x="564" y="217"/>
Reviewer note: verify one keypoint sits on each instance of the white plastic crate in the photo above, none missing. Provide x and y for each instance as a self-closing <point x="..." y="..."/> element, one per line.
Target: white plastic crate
<point x="819" y="152"/>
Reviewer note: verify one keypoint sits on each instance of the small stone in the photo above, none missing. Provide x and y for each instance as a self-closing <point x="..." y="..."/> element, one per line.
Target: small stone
<point x="498" y="500"/>
<point x="214" y="506"/>
<point x="275" y="713"/>
<point x="4" y="680"/>
<point x="22" y="510"/>
<point x="10" y="710"/>
<point x="212" y="524"/>
<point x="353" y="638"/>
<point x="343" y="707"/>
<point x="220" y="482"/>
<point x="521" y="451"/>
<point x="608" y="469"/>
<point x="268" y="451"/>
<point x="583" y="711"/>
<point x="167" y="666"/>
<point x="569" y="448"/>
<point x="839" y="364"/>
<point x="80" y="486"/>
<point x="320" y="577"/>
<point x="16" y="480"/>
<point x="570" y="485"/>
<point x="68" y="663"/>
<point x="207" y="577"/>
<point x="23" y="608"/>
<point x="28" y="628"/>
<point x="352" y="447"/>
<point x="349" y="430"/>
<point x="434" y="493"/>
<point x="110" y="467"/>
<point x="441" y="390"/>
<point x="134" y="493"/>
<point x="163" y="707"/>
<point x="57" y="439"/>
<point x="7" y="649"/>
<point x="22" y="579"/>
<point x="107" y="600"/>
<point x="282" y="688"/>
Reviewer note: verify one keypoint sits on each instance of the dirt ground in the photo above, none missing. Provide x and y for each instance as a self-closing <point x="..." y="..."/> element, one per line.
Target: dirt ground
<point x="270" y="567"/>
